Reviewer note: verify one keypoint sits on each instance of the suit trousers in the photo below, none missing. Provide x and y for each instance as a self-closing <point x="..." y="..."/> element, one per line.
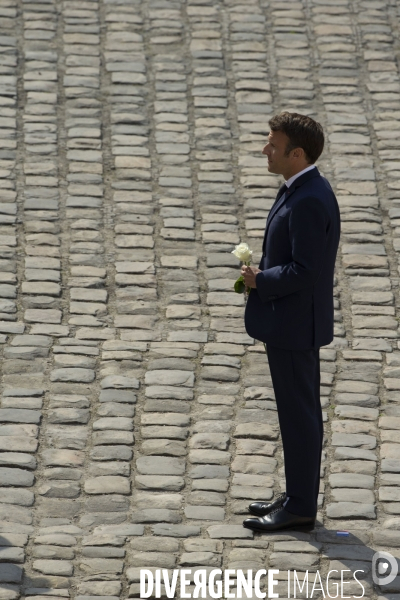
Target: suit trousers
<point x="296" y="380"/>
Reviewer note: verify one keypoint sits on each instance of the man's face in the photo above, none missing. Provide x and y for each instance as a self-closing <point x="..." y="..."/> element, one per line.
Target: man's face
<point x="275" y="151"/>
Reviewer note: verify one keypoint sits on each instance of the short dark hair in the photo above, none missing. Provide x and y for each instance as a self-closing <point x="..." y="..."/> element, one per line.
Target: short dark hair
<point x="302" y="131"/>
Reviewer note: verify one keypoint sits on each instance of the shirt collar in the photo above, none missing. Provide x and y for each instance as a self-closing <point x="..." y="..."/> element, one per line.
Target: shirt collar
<point x="294" y="177"/>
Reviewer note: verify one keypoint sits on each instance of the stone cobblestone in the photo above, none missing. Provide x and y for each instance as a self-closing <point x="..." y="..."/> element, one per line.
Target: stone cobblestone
<point x="137" y="418"/>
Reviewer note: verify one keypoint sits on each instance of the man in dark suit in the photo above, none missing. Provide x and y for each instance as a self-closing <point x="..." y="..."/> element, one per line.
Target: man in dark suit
<point x="290" y="309"/>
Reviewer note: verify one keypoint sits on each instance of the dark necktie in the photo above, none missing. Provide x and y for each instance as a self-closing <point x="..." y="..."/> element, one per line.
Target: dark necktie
<point x="282" y="190"/>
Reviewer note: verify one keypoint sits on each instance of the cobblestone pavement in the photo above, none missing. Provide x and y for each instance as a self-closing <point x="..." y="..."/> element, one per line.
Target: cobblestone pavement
<point x="137" y="418"/>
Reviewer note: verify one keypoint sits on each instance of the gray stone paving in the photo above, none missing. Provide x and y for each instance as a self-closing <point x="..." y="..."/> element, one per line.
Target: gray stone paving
<point x="137" y="418"/>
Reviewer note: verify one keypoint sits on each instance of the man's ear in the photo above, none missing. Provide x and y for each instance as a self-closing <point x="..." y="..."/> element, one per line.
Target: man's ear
<point x="298" y="153"/>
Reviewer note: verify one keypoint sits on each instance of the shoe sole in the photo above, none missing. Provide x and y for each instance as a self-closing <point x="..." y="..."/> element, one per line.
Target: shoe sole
<point x="289" y="528"/>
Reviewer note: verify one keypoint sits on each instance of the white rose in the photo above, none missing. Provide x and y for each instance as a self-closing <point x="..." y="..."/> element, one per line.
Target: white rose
<point x="243" y="252"/>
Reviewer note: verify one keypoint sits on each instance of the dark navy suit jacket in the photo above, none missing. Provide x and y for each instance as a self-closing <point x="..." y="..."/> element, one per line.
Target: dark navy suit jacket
<point x="292" y="306"/>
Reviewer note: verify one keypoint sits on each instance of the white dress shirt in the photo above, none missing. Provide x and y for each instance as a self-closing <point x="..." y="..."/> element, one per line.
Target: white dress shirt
<point x="294" y="177"/>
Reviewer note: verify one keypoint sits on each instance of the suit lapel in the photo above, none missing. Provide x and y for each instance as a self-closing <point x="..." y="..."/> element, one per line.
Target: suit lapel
<point x="278" y="204"/>
<point x="297" y="183"/>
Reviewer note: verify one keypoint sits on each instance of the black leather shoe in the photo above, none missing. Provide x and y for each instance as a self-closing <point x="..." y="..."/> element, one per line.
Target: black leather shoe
<point x="264" y="508"/>
<point x="279" y="520"/>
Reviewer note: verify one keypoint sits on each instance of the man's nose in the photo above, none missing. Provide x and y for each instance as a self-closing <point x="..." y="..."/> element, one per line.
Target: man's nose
<point x="265" y="149"/>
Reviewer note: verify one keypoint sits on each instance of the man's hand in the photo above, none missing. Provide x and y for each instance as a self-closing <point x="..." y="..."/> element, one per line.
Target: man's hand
<point x="249" y="275"/>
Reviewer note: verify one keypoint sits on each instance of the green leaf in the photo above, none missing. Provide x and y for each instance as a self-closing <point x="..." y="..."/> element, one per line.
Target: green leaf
<point x="239" y="286"/>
